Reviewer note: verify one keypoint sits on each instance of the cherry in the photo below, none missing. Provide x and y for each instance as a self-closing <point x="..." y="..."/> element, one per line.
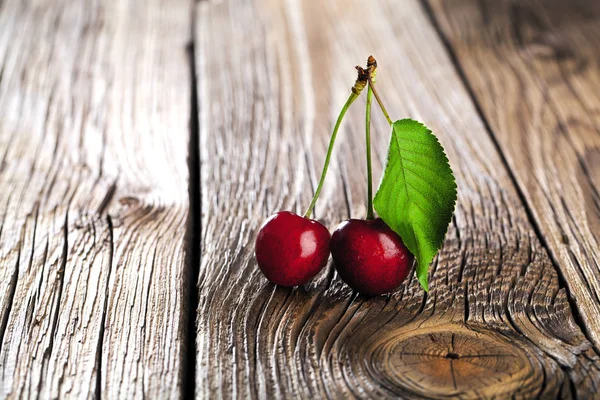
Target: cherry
<point x="369" y="256"/>
<point x="291" y="250"/>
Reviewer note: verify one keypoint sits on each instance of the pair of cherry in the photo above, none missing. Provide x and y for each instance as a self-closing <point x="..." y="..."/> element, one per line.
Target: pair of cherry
<point x="368" y="255"/>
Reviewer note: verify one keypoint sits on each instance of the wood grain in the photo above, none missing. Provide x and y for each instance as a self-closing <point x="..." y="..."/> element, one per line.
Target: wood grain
<point x="533" y="67"/>
<point x="93" y="207"/>
<point x="271" y="78"/>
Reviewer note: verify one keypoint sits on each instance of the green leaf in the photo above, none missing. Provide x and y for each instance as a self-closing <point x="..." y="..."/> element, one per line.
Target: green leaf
<point x="417" y="193"/>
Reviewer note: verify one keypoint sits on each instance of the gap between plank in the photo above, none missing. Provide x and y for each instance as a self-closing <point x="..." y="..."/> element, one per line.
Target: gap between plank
<point x="520" y="193"/>
<point x="193" y="234"/>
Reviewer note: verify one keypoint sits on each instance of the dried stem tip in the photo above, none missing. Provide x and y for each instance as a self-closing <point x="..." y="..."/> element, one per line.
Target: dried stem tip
<point x="361" y="80"/>
<point x="372" y="67"/>
<point x="371" y="62"/>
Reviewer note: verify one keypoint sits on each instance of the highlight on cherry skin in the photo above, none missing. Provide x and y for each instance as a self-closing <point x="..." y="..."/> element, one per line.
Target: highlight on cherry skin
<point x="291" y="250"/>
<point x="369" y="256"/>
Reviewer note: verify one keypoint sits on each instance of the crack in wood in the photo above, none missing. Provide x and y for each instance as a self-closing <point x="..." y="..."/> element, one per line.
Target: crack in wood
<point x="194" y="221"/>
<point x="111" y="251"/>
<point x="60" y="279"/>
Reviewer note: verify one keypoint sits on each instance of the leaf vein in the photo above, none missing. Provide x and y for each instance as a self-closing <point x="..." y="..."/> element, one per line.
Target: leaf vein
<point x="433" y="185"/>
<point x="423" y="154"/>
<point x="428" y="199"/>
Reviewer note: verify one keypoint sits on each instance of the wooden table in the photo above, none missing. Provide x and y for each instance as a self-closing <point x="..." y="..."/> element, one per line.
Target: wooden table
<point x="142" y="144"/>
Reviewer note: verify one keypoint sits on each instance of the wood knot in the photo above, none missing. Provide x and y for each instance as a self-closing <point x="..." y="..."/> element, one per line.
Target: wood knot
<point x="452" y="360"/>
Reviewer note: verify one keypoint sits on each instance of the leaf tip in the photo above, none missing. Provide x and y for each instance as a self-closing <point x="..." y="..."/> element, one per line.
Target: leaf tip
<point x="424" y="284"/>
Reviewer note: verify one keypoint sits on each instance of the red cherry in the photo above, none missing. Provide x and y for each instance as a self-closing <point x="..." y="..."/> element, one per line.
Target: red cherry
<point x="291" y="250"/>
<point x="369" y="256"/>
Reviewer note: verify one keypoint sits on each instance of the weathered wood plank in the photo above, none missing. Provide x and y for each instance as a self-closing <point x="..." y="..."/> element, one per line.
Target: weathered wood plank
<point x="93" y="140"/>
<point x="271" y="76"/>
<point x="533" y="67"/>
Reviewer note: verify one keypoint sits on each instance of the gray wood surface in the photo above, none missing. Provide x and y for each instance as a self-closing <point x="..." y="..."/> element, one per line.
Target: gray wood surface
<point x="142" y="144"/>
<point x="93" y="207"/>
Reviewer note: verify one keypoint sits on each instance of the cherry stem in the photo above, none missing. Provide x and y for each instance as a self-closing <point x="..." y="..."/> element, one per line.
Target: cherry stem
<point x="350" y="100"/>
<point x="370" y="214"/>
<point x="372" y="87"/>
